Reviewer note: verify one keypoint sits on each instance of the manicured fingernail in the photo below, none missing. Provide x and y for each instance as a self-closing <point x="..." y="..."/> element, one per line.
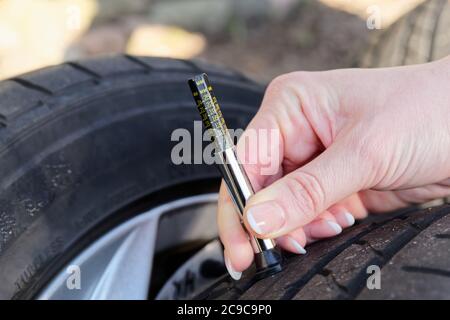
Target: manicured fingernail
<point x="336" y="228"/>
<point x="297" y="246"/>
<point x="233" y="273"/>
<point x="265" y="218"/>
<point x="349" y="218"/>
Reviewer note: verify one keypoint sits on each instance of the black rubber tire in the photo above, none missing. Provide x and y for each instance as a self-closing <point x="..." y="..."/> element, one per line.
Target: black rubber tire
<point x="420" y="36"/>
<point x="85" y="145"/>
<point x="411" y="249"/>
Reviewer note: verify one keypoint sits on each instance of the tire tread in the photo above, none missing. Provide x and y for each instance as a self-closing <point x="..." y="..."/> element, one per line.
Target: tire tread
<point x="336" y="268"/>
<point x="26" y="94"/>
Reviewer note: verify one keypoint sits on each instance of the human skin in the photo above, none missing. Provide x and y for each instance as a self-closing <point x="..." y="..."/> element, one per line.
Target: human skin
<point x="351" y="141"/>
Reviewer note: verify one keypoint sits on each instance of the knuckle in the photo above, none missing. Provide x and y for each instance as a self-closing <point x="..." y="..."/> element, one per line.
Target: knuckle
<point x="278" y="83"/>
<point x="306" y="192"/>
<point x="284" y="83"/>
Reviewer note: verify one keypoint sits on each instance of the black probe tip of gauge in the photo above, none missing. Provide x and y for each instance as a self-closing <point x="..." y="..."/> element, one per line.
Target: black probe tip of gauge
<point x="268" y="262"/>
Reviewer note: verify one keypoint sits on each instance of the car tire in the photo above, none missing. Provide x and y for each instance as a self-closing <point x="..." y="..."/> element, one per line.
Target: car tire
<point x="86" y="145"/>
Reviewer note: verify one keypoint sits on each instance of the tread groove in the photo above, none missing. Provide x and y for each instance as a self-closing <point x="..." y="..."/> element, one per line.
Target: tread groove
<point x="376" y="251"/>
<point x="29" y="85"/>
<point x="416" y="227"/>
<point x="443" y="236"/>
<point x="84" y="70"/>
<point x="342" y="288"/>
<point x="362" y="242"/>
<point x="192" y="65"/>
<point x="138" y="62"/>
<point x="426" y="270"/>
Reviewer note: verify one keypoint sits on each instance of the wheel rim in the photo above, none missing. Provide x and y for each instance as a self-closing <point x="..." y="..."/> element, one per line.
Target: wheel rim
<point x="119" y="264"/>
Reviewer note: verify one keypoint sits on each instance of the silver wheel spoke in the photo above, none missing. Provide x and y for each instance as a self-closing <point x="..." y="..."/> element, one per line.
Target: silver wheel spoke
<point x="119" y="264"/>
<point x="134" y="259"/>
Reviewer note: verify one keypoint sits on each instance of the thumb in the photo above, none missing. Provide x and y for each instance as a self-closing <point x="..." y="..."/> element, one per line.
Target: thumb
<point x="299" y="197"/>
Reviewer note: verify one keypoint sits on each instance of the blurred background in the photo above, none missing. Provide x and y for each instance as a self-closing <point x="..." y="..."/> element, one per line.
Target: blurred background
<point x="262" y="38"/>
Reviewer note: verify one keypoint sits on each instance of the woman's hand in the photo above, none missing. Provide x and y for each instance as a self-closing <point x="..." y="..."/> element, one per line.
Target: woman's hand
<point x="349" y="142"/>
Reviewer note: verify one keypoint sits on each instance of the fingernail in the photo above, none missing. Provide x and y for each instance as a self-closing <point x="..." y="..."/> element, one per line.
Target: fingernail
<point x="265" y="218"/>
<point x="297" y="246"/>
<point x="233" y="273"/>
<point x="349" y="218"/>
<point x="336" y="228"/>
